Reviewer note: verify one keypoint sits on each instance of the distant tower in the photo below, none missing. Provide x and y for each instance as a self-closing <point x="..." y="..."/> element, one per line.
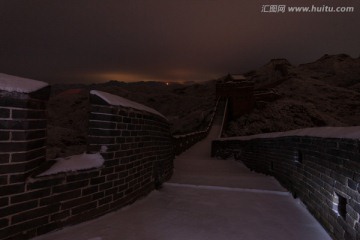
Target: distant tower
<point x="239" y="91"/>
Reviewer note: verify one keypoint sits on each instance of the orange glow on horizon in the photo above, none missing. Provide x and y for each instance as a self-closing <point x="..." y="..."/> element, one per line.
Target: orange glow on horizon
<point x="180" y="76"/>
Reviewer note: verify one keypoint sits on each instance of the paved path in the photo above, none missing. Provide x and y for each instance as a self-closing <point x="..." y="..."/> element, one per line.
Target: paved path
<point x="195" y="166"/>
<point x="206" y="199"/>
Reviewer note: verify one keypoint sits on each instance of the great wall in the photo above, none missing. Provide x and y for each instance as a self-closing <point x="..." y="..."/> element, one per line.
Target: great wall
<point x="139" y="151"/>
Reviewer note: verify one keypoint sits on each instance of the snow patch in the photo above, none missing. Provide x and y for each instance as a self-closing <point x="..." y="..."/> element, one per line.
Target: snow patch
<point x="324" y="132"/>
<point x="74" y="163"/>
<point x="18" y="84"/>
<point x="119" y="101"/>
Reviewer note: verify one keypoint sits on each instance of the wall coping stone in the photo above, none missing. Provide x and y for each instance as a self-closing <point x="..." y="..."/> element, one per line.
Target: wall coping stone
<point x="11" y="83"/>
<point x="119" y="101"/>
<point x="323" y="132"/>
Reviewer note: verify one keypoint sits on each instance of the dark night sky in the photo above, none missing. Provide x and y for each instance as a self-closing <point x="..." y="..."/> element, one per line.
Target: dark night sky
<point x="170" y="40"/>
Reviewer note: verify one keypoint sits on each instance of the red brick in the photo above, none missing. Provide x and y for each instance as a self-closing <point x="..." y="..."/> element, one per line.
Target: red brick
<point x="90" y="190"/>
<point x="97" y="180"/>
<point x="10" y="210"/>
<point x="4" y="158"/>
<point x="4" y="135"/>
<point x="60" y="197"/>
<point x="30" y="195"/>
<point x="4" y="201"/>
<point x="70" y="186"/>
<point x="12" y="189"/>
<point x="27" y="135"/>
<point x="35" y="213"/>
<point x="4" y="223"/>
<point x="75" y="202"/>
<point x="84" y="208"/>
<point x="45" y="183"/>
<point x="4" y="113"/>
<point x="23" y="228"/>
<point x="105" y="200"/>
<point x="4" y="180"/>
<point x="22" y="124"/>
<point x="21" y="157"/>
<point x="60" y="216"/>
<point x="82" y="175"/>
<point x="28" y="114"/>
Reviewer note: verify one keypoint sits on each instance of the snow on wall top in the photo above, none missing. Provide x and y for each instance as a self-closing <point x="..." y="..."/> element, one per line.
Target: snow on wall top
<point x="119" y="101"/>
<point x="11" y="83"/>
<point x="324" y="132"/>
<point x="75" y="163"/>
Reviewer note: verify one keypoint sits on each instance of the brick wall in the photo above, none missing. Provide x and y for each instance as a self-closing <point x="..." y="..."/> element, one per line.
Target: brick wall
<point x="136" y="145"/>
<point x="22" y="134"/>
<point x="184" y="142"/>
<point x="323" y="172"/>
<point x="139" y="140"/>
<point x="22" y="149"/>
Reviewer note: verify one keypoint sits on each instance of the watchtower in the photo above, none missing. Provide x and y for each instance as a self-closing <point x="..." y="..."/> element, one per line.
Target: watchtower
<point x="240" y="93"/>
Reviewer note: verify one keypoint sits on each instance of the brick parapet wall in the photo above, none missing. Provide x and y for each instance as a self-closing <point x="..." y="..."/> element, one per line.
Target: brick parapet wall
<point x="184" y="142"/>
<point x="132" y="137"/>
<point x="22" y="146"/>
<point x="138" y="152"/>
<point x="22" y="135"/>
<point x="323" y="172"/>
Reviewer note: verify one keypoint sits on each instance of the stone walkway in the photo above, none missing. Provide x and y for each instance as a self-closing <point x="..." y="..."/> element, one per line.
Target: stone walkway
<point x="207" y="198"/>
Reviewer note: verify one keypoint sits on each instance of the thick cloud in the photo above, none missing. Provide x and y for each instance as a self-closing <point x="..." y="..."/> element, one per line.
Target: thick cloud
<point x="178" y="40"/>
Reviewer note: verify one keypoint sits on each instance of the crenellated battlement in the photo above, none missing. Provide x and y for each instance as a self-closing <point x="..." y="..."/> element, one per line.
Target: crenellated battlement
<point x="131" y="145"/>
